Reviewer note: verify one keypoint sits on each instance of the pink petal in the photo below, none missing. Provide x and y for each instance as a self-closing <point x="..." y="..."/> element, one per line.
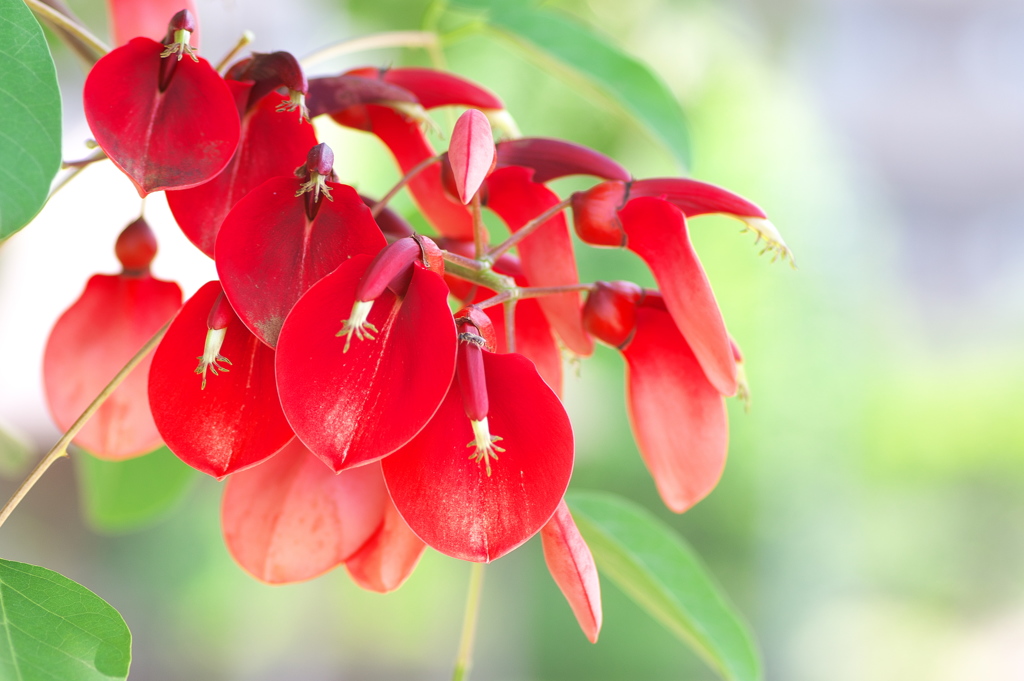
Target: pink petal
<point x="571" y="564"/>
<point x="292" y="518"/>
<point x="236" y="420"/>
<point x="471" y="152"/>
<point x="269" y="253"/>
<point x="92" y="340"/>
<point x="656" y="231"/>
<point x="388" y="557"/>
<point x="357" y="406"/>
<point x="174" y="139"/>
<point x="147" y="18"/>
<point x="678" y="417"/>
<point x="272" y="143"/>
<point x="450" y="501"/>
<point x="546" y="255"/>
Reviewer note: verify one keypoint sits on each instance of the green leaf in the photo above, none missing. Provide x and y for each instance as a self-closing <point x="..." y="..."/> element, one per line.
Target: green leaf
<point x="626" y="81"/>
<point x="29" y="117"/>
<point x="120" y="496"/>
<point x="663" y="575"/>
<point x="53" y="629"/>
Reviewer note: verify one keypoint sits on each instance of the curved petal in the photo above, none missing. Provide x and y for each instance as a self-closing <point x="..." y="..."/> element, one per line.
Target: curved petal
<point x="269" y="253"/>
<point x="678" y="417"/>
<point x="147" y="133"/>
<point x="92" y="340"/>
<point x="552" y="158"/>
<point x="656" y="231"/>
<point x="236" y="420"/>
<point x="272" y="143"/>
<point x="292" y="518"/>
<point x="572" y="566"/>
<point x="388" y="557"/>
<point x="357" y="406"/>
<point x="533" y="339"/>
<point x="449" y="500"/>
<point x="440" y="88"/>
<point x="546" y="255"/>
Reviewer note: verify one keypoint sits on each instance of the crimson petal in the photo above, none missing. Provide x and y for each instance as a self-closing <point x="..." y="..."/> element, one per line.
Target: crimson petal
<point x="269" y="253"/>
<point x="450" y="501"/>
<point x="357" y="406"/>
<point x="270" y="142"/>
<point x="435" y="88"/>
<point x="147" y="132"/>
<point x="292" y="518"/>
<point x="554" y="158"/>
<point x="546" y="255"/>
<point x="236" y="420"/>
<point x="656" y="231"/>
<point x="678" y="417"/>
<point x="572" y="566"/>
<point x="92" y="340"/>
<point x="388" y="557"/>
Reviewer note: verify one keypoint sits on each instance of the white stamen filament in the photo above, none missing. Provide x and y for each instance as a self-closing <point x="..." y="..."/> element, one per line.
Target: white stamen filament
<point x="211" y="354"/>
<point x="483" y="442"/>
<point x="764" y="229"/>
<point x="357" y="324"/>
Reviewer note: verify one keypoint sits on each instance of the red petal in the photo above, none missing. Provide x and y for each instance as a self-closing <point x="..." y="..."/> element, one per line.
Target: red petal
<point x="269" y="254"/>
<point x="695" y="198"/>
<point x="571" y="564"/>
<point x="92" y="340"/>
<point x="436" y="88"/>
<point x="174" y="139"/>
<point x="292" y="518"/>
<point x="357" y="406"/>
<point x="551" y="159"/>
<point x="133" y="18"/>
<point x="678" y="417"/>
<point x="273" y="143"/>
<point x="533" y="339"/>
<point x="233" y="423"/>
<point x="331" y="95"/>
<point x="471" y="152"/>
<point x="410" y="147"/>
<point x="656" y="231"/>
<point x="450" y="501"/>
<point x="389" y="557"/>
<point x="546" y="255"/>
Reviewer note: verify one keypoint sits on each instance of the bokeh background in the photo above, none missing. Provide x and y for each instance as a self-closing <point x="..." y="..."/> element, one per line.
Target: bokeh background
<point x="869" y="521"/>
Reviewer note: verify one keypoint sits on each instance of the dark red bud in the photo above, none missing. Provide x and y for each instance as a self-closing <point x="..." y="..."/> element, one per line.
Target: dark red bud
<point x="391" y="268"/>
<point x="610" y="311"/>
<point x="320" y="159"/>
<point x="136" y="247"/>
<point x="221" y="313"/>
<point x="469" y="368"/>
<point x="484" y="327"/>
<point x="595" y="214"/>
<point x="182" y="21"/>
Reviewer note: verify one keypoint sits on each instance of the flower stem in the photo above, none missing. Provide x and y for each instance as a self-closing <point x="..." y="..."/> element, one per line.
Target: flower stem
<point x="243" y="41"/>
<point x="527" y="229"/>
<point x="377" y="41"/>
<point x="61" y="448"/>
<point x="78" y="37"/>
<point x="510" y="325"/>
<point x="406" y="179"/>
<point x="476" y="272"/>
<point x="465" y="659"/>
<point x="479" y="231"/>
<point x="521" y="292"/>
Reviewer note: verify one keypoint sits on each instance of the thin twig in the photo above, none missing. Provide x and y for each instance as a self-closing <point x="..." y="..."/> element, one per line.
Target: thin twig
<point x="523" y="292"/>
<point x="510" y="325"/>
<point x="61" y="448"/>
<point x="479" y="231"/>
<point x="243" y="41"/>
<point x="465" y="659"/>
<point x="406" y="179"/>
<point x="527" y="229"/>
<point x="377" y="41"/>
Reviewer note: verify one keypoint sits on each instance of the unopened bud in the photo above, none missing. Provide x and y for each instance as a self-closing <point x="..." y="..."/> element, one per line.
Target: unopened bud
<point x="136" y="247"/>
<point x="595" y="214"/>
<point x="610" y="312"/>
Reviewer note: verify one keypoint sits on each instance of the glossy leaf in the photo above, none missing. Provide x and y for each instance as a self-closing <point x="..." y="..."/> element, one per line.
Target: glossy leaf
<point x="662" y="574"/>
<point x="292" y="518"/>
<point x="30" y="118"/>
<point x="121" y="496"/>
<point x="622" y="78"/>
<point x="53" y="628"/>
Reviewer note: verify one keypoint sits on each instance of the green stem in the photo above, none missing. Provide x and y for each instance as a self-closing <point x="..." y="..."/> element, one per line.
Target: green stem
<point x="526" y="230"/>
<point x="406" y="179"/>
<point x="78" y="37"/>
<point x="476" y="272"/>
<point x="246" y="38"/>
<point x="465" y="659"/>
<point x="61" y="448"/>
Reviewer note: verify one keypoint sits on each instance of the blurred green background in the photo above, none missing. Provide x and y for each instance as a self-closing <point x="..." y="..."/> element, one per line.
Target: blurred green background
<point x="869" y="521"/>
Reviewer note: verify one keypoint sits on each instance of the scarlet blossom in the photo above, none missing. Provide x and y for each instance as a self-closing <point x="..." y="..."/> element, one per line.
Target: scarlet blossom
<point x="572" y="566"/>
<point x="677" y="415"/>
<point x="96" y="336"/>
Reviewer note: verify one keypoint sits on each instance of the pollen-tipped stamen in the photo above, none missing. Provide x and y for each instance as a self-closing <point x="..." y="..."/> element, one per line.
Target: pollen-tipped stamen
<point x="764" y="229"/>
<point x="180" y="46"/>
<point x="357" y="324"/>
<point x="211" y="355"/>
<point x="483" y="441"/>
<point x="296" y="101"/>
<point x="316" y="183"/>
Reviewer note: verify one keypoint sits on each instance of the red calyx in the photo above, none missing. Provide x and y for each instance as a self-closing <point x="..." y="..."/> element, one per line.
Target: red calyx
<point x="596" y="214"/>
<point x="392" y="267"/>
<point x="183" y="20"/>
<point x="610" y="312"/>
<point x="469" y="368"/>
<point x="136" y="248"/>
<point x="270" y="71"/>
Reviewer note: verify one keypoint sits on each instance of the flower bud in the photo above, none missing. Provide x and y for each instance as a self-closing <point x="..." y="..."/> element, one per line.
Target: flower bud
<point x="610" y="312"/>
<point x="595" y="214"/>
<point x="136" y="248"/>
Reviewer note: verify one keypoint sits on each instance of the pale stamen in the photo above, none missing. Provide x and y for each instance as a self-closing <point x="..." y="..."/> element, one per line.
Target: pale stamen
<point x="317" y="183"/>
<point x="296" y="101"/>
<point x="773" y="242"/>
<point x="483" y="441"/>
<point x="180" y="46"/>
<point x="211" y="354"/>
<point x="357" y="324"/>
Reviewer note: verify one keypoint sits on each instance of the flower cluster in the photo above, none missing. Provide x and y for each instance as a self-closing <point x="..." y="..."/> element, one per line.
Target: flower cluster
<point x="356" y="416"/>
